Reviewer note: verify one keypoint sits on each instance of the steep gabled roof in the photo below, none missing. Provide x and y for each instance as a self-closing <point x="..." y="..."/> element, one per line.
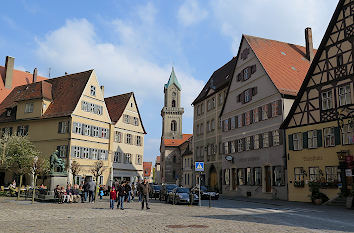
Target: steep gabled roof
<point x="65" y="94"/>
<point x="177" y="142"/>
<point x="316" y="59"/>
<point x="218" y="80"/>
<point x="19" y="78"/>
<point x="286" y="64"/>
<point x="117" y="104"/>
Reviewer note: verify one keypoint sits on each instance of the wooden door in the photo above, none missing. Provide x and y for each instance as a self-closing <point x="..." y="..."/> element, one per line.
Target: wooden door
<point x="213" y="180"/>
<point x="268" y="179"/>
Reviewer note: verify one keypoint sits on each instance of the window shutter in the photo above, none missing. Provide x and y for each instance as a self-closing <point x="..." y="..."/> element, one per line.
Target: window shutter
<point x="280" y="107"/>
<point x="260" y="136"/>
<point x="238" y="98"/>
<point x="74" y="126"/>
<point x="243" y="143"/>
<point x="243" y="119"/>
<point x="291" y="142"/>
<point x="242" y="97"/>
<point x="18" y="130"/>
<point x="236" y="121"/>
<point x="269" y="113"/>
<point x="253" y="69"/>
<point x="229" y="124"/>
<point x="260" y="114"/>
<point x="59" y="126"/>
<point x="252" y="142"/>
<point x="251" y="117"/>
<point x="26" y="129"/>
<point x="270" y="137"/>
<point x="229" y="147"/>
<point x="223" y="126"/>
<point x="305" y="140"/>
<point x="319" y="138"/>
<point x="254" y="91"/>
<point x="337" y="135"/>
<point x="281" y="137"/>
<point x="72" y="151"/>
<point x="239" y="77"/>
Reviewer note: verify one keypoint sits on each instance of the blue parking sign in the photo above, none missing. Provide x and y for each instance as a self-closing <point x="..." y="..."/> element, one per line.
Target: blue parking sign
<point x="199" y="166"/>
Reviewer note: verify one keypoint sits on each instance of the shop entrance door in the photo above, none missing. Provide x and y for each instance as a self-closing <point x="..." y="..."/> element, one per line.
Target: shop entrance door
<point x="268" y="179"/>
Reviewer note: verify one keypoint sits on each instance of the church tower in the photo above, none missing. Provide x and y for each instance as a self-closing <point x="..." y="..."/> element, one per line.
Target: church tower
<point x="172" y="112"/>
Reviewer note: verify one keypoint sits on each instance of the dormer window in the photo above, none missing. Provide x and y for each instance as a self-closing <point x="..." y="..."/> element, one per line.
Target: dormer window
<point x="245" y="74"/>
<point x="93" y="90"/>
<point x="29" y="108"/>
<point x="8" y="112"/>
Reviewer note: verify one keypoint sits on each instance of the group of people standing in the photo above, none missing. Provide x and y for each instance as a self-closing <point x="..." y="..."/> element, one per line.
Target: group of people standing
<point x="123" y="191"/>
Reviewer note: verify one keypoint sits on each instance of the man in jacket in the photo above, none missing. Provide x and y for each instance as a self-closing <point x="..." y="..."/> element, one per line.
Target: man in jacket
<point x="85" y="188"/>
<point x="121" y="195"/>
<point x="145" y="189"/>
<point x="91" y="190"/>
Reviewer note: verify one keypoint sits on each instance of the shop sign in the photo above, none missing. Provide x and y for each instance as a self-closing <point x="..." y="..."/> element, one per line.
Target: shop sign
<point x="348" y="172"/>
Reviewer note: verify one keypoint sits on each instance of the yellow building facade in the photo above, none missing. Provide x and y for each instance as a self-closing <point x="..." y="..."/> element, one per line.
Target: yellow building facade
<point x="320" y="125"/>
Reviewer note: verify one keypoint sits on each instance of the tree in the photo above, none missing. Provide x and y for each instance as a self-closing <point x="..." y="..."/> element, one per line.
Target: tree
<point x="40" y="167"/>
<point x="20" y="154"/>
<point x="75" y="169"/>
<point x="97" y="171"/>
<point x="3" y="143"/>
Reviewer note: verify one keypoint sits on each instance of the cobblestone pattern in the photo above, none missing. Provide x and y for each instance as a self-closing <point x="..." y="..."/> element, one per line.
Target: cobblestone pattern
<point x="21" y="216"/>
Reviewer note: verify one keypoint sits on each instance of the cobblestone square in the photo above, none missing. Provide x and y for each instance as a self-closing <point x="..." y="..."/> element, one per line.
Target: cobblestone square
<point x="224" y="216"/>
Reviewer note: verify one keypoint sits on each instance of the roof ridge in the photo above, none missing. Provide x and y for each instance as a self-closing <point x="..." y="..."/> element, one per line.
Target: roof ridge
<point x="283" y="42"/>
<point x="120" y="95"/>
<point x="66" y="76"/>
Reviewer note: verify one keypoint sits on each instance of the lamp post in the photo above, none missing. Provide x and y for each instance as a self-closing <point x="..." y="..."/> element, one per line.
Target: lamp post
<point x="34" y="172"/>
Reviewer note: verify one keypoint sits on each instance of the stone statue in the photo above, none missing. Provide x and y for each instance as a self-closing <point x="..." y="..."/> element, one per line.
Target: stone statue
<point x="56" y="164"/>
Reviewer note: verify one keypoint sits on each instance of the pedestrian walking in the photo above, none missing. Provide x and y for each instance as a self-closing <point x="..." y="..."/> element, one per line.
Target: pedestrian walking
<point x="145" y="194"/>
<point x="140" y="190"/>
<point x="112" y="197"/>
<point x="133" y="191"/>
<point x="121" y="196"/>
<point x="91" y="191"/>
<point x="85" y="190"/>
<point x="128" y="191"/>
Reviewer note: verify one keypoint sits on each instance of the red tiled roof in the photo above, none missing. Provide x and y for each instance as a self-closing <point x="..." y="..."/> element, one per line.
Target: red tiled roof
<point x="116" y="105"/>
<point x="177" y="142"/>
<point x="157" y="159"/>
<point x="286" y="64"/>
<point x="19" y="78"/>
<point x="147" y="168"/>
<point x="65" y="93"/>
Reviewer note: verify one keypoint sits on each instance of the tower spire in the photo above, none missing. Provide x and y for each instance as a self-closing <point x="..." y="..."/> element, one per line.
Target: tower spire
<point x="173" y="80"/>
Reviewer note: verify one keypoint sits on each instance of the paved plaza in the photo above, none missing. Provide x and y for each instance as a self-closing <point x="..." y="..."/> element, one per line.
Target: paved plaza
<point x="224" y="216"/>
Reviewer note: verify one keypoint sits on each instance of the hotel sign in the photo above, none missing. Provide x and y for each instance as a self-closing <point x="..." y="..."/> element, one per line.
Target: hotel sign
<point x="313" y="158"/>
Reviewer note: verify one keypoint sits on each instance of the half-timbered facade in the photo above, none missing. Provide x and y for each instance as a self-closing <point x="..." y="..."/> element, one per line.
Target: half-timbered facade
<point x="318" y="129"/>
<point x="266" y="80"/>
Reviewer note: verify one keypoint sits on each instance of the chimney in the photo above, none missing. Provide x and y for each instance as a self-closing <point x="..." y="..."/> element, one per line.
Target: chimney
<point x="9" y="69"/>
<point x="102" y="89"/>
<point x="34" y="75"/>
<point x="309" y="44"/>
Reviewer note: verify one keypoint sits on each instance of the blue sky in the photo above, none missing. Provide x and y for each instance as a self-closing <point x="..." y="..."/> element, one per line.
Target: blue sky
<point x="132" y="44"/>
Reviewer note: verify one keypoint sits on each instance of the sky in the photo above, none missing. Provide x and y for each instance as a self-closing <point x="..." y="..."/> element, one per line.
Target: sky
<point x="133" y="44"/>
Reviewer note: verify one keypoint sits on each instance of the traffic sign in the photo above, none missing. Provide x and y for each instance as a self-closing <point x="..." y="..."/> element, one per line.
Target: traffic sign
<point x="199" y="166"/>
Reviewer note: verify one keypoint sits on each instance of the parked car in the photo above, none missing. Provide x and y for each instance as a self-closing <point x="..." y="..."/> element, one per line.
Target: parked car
<point x="155" y="191"/>
<point x="206" y="193"/>
<point x="165" y="190"/>
<point x="182" y="195"/>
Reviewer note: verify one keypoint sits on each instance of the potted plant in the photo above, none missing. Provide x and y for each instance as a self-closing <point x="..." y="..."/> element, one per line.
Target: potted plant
<point x="316" y="196"/>
<point x="299" y="183"/>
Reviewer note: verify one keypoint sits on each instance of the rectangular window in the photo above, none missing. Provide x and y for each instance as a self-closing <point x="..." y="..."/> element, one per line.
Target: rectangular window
<point x="221" y="99"/>
<point x="347" y="135"/>
<point x="95" y="131"/>
<point x="7" y="131"/>
<point x="87" y="130"/>
<point x="93" y="90"/>
<point x="255" y="115"/>
<point x="77" y="128"/>
<point x="265" y="112"/>
<point x="344" y="95"/>
<point x="104" y="133"/>
<point x="247" y="95"/>
<point x="226" y="147"/>
<point x="239" y="121"/>
<point x="265" y="140"/>
<point x="85" y="152"/>
<point x="314" y="174"/>
<point x="278" y="176"/>
<point x="138" y="159"/>
<point x="94" y="154"/>
<point x="129" y="139"/>
<point x="127" y="158"/>
<point x="126" y="118"/>
<point x="136" y="121"/>
<point x="29" y="108"/>
<point x="120" y="159"/>
<point x="115" y="158"/>
<point x="208" y="126"/>
<point x="239" y="145"/>
<point x="331" y="174"/>
<point x="76" y="151"/>
<point x="63" y="151"/>
<point x="212" y="124"/>
<point x="312" y="139"/>
<point x="138" y="140"/>
<point x="63" y="127"/>
<point x="274" y="108"/>
<point x="213" y="102"/>
<point x="233" y="123"/>
<point x="248" y="143"/>
<point x="329" y="137"/>
<point x="297" y="138"/>
<point x="249" y="176"/>
<point x="299" y="174"/>
<point x="327" y="102"/>
<point x="22" y="130"/>
<point x="257" y="174"/>
<point x="226" y="125"/>
<point x="117" y="136"/>
<point x="276" y="138"/>
<point x="241" y="176"/>
<point x="256" y="142"/>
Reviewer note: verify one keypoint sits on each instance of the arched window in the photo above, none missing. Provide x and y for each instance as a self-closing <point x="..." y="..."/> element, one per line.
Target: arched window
<point x="173" y="125"/>
<point x="173" y="103"/>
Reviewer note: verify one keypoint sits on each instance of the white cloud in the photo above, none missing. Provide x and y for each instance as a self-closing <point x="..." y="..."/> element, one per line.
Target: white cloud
<point x="191" y="13"/>
<point x="283" y="20"/>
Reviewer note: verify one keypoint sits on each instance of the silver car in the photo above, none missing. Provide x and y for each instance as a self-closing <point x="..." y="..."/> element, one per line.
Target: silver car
<point x="182" y="196"/>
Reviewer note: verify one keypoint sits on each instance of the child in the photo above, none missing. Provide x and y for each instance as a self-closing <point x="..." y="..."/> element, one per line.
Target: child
<point x="112" y="197"/>
<point x="101" y="194"/>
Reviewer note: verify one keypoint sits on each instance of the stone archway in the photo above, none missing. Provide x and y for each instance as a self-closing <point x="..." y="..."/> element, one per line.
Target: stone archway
<point x="213" y="178"/>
